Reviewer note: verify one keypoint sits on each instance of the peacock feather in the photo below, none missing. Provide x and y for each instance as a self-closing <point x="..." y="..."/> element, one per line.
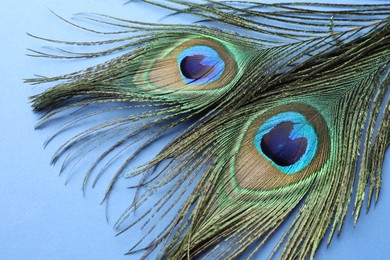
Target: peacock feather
<point x="278" y="109"/>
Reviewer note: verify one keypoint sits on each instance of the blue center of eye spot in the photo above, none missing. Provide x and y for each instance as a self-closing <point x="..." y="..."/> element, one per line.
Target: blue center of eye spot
<point x="200" y="65"/>
<point x="280" y="147"/>
<point x="192" y="67"/>
<point x="288" y="141"/>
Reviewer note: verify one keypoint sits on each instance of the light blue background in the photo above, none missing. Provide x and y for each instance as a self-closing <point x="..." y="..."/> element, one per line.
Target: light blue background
<point x="40" y="218"/>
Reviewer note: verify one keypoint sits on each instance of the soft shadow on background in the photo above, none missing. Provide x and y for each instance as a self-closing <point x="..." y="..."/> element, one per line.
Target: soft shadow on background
<point x="43" y="219"/>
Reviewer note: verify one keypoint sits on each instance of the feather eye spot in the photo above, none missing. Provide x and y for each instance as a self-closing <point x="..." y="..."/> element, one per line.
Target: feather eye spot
<point x="200" y="65"/>
<point x="281" y="148"/>
<point x="191" y="65"/>
<point x="288" y="141"/>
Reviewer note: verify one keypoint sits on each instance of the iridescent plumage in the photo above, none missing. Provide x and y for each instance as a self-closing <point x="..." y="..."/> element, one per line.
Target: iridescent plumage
<point x="289" y="114"/>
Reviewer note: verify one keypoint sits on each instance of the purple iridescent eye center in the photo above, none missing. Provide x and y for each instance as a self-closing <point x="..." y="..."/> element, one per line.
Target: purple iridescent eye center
<point x="280" y="147"/>
<point x="200" y="65"/>
<point x="192" y="67"/>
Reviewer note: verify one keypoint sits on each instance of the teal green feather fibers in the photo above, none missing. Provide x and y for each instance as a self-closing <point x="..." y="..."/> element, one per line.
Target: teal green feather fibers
<point x="288" y="115"/>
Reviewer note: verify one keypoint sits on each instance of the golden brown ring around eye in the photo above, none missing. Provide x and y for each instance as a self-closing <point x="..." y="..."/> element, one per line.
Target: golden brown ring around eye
<point x="252" y="171"/>
<point x="165" y="73"/>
